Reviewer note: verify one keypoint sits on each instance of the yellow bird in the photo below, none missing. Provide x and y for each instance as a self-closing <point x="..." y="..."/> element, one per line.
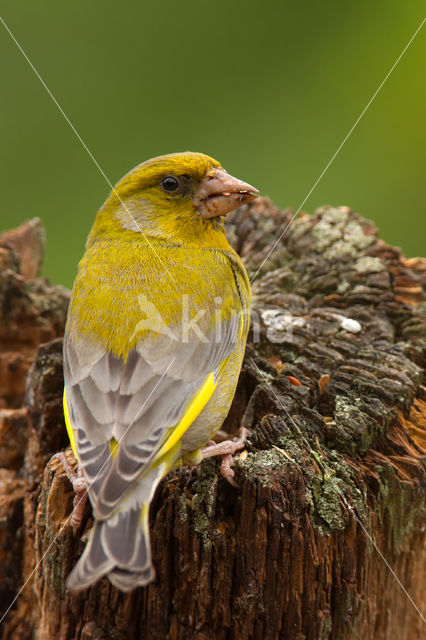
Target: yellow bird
<point x="154" y="341"/>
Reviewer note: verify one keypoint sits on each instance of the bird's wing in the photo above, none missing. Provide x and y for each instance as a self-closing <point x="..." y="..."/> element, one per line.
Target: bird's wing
<point x="124" y="412"/>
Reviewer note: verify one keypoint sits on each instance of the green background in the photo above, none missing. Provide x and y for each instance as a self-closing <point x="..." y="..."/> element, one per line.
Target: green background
<point x="270" y="89"/>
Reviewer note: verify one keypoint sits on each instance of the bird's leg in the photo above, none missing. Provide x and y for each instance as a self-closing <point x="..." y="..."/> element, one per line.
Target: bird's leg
<point x="226" y="449"/>
<point x="80" y="490"/>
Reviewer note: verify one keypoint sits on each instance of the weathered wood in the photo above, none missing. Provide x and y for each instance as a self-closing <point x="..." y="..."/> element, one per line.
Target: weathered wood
<point x="332" y="389"/>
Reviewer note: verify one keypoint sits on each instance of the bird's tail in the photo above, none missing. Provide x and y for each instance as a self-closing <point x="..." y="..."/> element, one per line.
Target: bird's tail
<point x="119" y="548"/>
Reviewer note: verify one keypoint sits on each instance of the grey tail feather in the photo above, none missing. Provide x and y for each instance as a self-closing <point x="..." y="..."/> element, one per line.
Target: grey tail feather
<point x="127" y="580"/>
<point x="119" y="548"/>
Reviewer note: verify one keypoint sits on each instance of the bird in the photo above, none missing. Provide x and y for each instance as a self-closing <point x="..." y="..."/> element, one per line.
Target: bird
<point x="154" y="342"/>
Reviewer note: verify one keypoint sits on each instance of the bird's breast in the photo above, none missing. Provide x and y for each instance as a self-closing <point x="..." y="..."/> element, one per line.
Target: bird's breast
<point x="123" y="295"/>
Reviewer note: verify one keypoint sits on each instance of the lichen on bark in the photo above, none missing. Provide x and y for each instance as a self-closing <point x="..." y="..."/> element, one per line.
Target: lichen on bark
<point x="331" y="389"/>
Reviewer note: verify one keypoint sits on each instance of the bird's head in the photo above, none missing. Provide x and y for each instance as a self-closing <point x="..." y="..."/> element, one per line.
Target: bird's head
<point x="181" y="197"/>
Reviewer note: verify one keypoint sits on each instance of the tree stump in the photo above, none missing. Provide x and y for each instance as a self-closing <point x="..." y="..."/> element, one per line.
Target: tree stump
<point x="332" y="477"/>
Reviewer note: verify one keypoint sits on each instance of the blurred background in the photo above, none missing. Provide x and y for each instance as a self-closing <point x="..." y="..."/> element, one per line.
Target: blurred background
<point x="270" y="89"/>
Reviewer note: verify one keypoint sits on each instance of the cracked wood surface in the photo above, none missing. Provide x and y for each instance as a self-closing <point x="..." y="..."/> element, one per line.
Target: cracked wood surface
<point x="331" y="389"/>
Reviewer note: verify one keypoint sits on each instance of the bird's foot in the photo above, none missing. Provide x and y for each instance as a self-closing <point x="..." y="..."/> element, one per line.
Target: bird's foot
<point x="80" y="490"/>
<point x="226" y="449"/>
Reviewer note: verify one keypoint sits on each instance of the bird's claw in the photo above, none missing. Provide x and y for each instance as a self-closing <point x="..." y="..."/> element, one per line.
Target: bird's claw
<point x="226" y="449"/>
<point x="80" y="489"/>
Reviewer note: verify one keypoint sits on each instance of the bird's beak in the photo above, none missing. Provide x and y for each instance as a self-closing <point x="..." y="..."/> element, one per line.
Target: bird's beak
<point x="219" y="193"/>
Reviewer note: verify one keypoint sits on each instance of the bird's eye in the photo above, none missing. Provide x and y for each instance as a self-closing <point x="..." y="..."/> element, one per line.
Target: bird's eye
<point x="170" y="184"/>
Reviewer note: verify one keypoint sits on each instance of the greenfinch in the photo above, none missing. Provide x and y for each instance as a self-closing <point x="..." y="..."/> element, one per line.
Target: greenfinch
<point x="154" y="341"/>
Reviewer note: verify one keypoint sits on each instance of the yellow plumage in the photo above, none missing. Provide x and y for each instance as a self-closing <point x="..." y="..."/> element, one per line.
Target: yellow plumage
<point x="155" y="337"/>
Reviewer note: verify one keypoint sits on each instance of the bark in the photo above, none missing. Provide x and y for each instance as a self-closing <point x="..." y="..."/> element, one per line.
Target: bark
<point x="331" y="388"/>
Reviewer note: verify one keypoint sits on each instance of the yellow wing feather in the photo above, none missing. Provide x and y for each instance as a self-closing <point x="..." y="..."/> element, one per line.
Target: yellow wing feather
<point x="70" y="431"/>
<point x="195" y="407"/>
